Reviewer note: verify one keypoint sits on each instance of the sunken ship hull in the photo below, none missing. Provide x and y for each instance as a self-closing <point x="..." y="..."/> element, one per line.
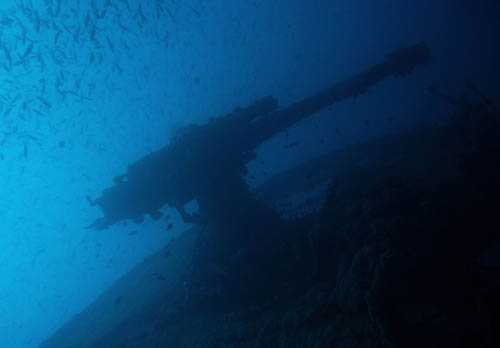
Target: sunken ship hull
<point x="397" y="257"/>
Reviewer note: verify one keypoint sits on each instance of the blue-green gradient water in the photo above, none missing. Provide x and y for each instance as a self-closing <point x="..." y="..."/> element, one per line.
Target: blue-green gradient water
<point x="87" y="87"/>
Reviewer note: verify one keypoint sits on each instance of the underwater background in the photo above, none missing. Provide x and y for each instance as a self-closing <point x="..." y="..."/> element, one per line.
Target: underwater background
<point x="88" y="87"/>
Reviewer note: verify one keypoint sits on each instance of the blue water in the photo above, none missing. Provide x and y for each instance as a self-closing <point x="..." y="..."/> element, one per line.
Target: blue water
<point x="87" y="87"/>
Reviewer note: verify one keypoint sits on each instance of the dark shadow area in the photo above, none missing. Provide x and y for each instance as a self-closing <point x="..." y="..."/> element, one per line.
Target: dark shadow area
<point x="392" y="259"/>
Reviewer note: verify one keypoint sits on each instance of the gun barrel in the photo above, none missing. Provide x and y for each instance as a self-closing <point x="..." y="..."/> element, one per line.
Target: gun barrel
<point x="398" y="63"/>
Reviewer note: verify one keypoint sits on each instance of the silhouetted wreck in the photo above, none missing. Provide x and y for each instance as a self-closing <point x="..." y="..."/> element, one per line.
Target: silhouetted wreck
<point x="404" y="252"/>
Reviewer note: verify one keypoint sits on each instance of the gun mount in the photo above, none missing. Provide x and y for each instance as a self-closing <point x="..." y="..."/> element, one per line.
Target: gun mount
<point x="205" y="162"/>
